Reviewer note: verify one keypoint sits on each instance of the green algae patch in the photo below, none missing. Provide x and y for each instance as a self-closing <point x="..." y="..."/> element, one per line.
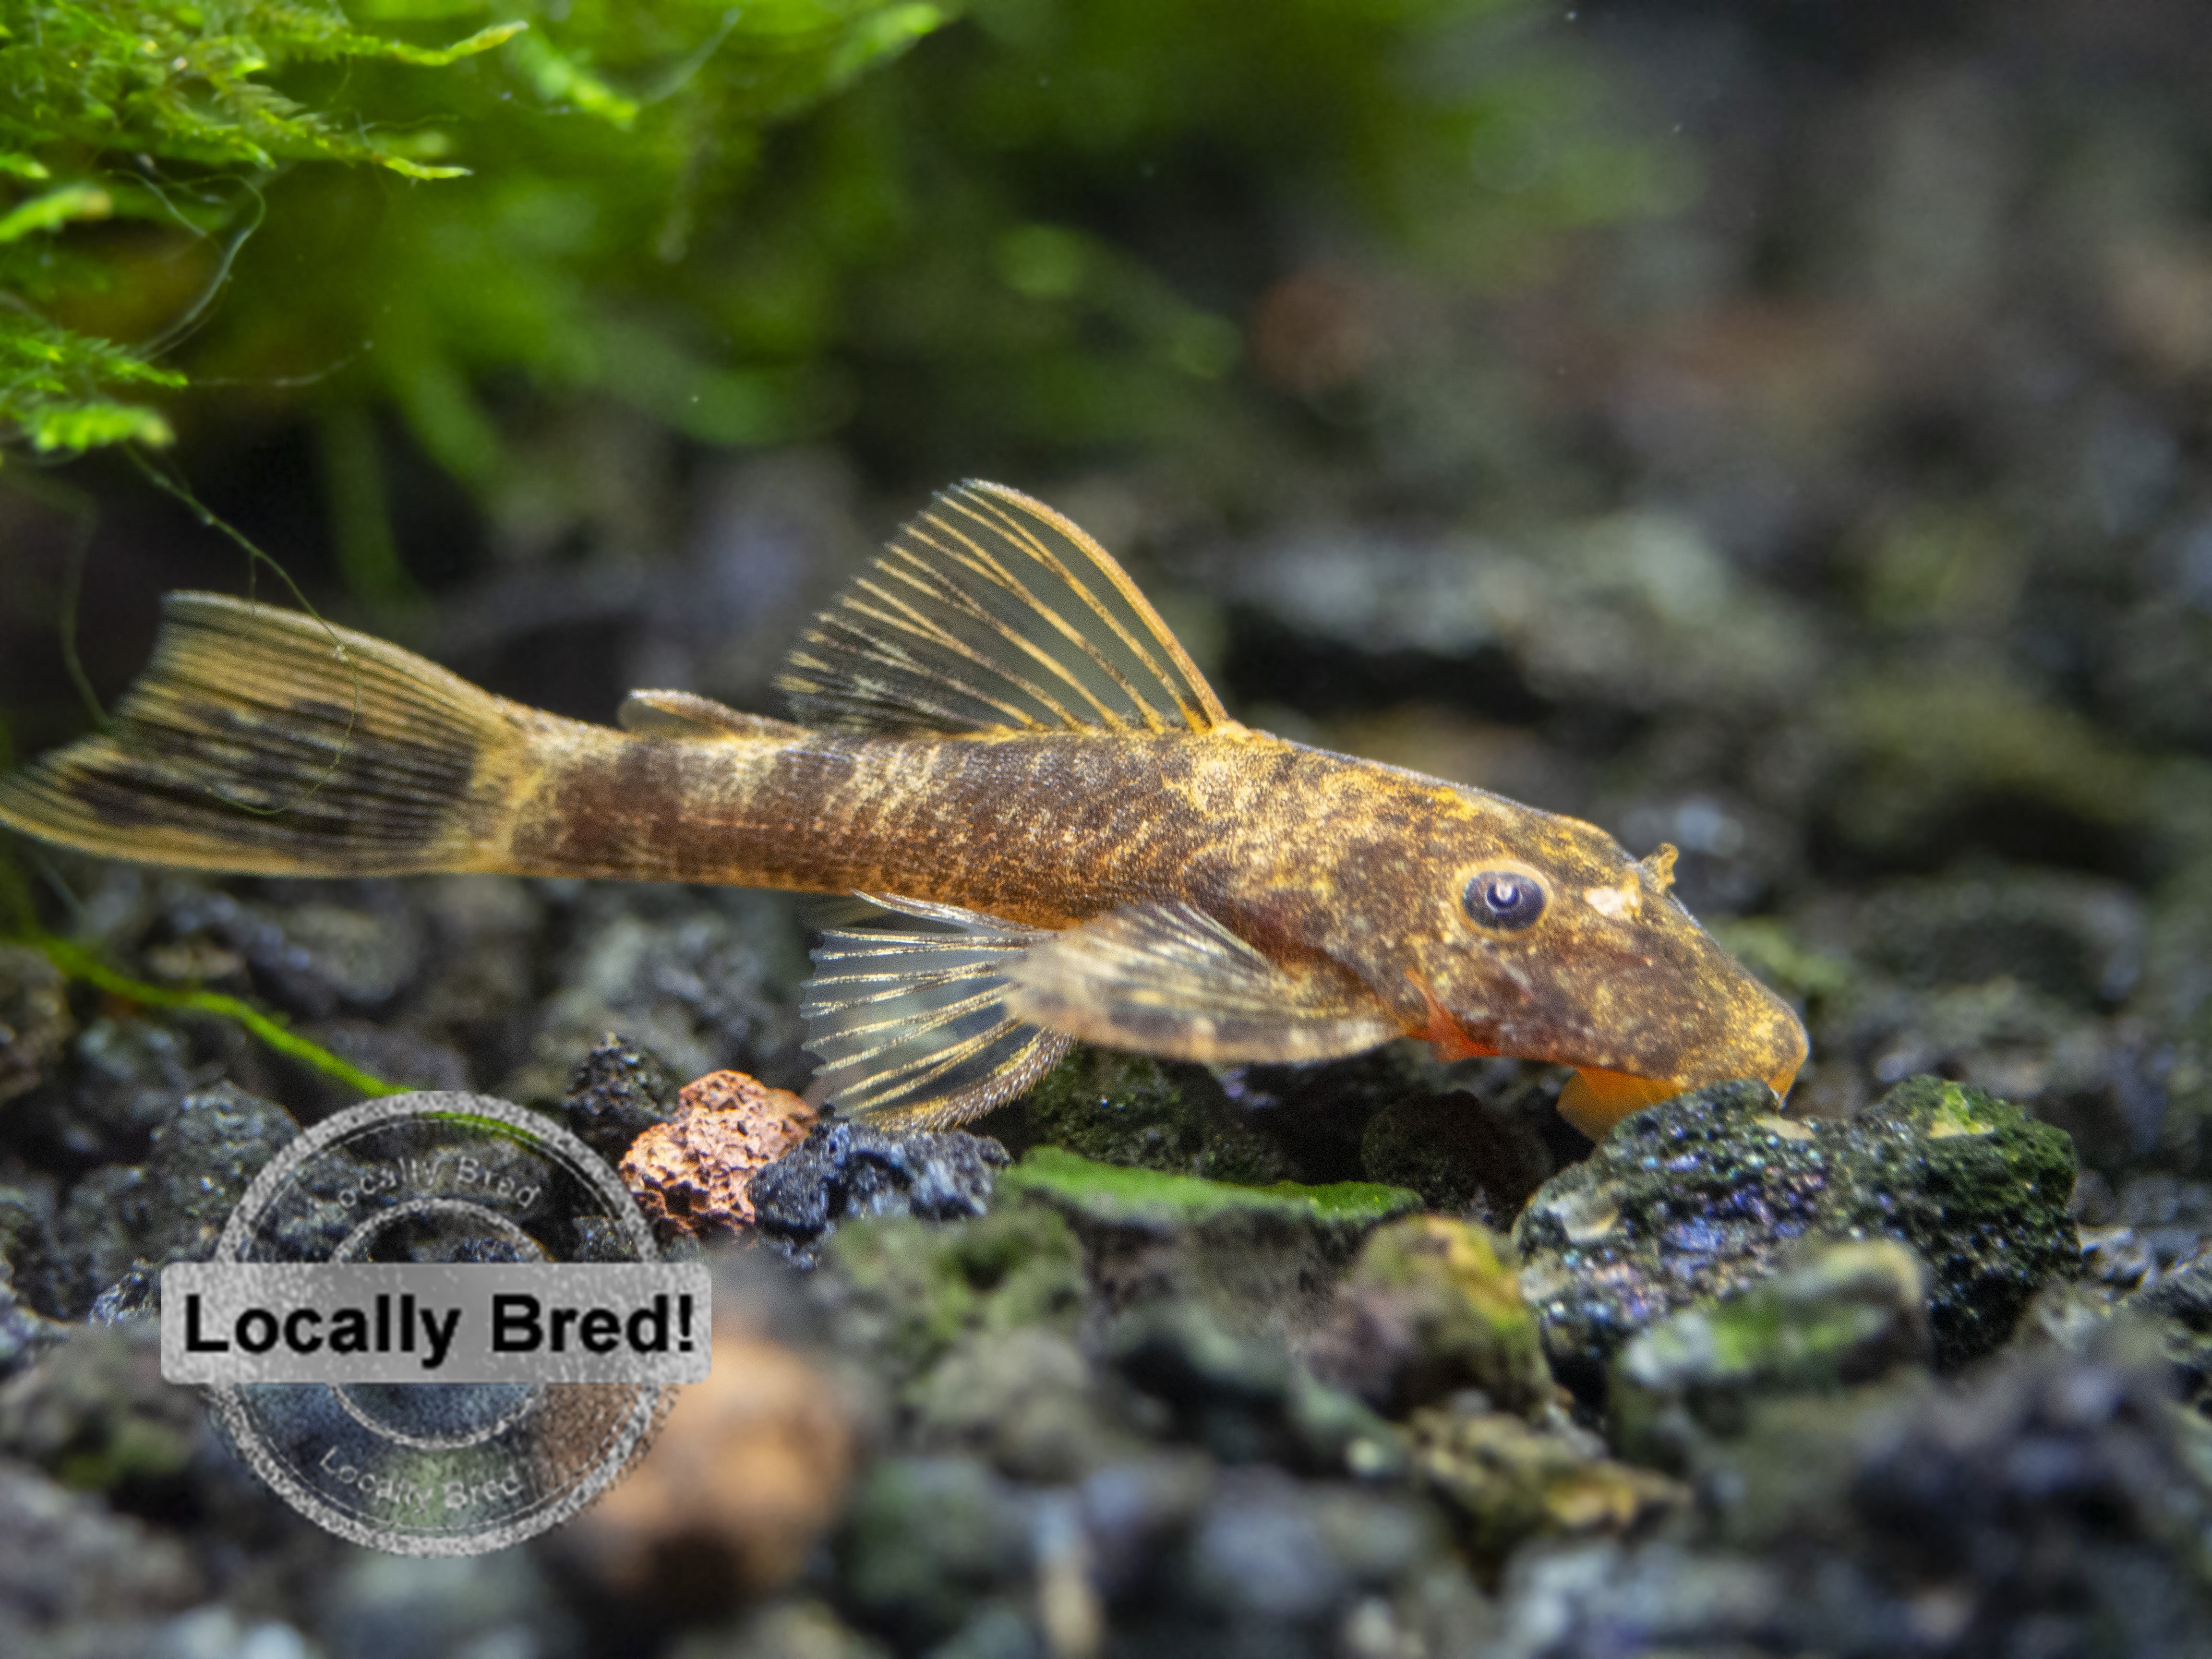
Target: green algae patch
<point x="1846" y="1314"/>
<point x="1952" y="1113"/>
<point x="1118" y="1192"/>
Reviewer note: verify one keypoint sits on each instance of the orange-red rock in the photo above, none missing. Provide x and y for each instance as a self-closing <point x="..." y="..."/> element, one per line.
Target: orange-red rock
<point x="692" y="1173"/>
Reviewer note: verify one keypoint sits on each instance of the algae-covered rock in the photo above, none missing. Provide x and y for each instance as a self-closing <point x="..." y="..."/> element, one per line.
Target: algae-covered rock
<point x="26" y="1239"/>
<point x="1244" y="1399"/>
<point x="376" y="1606"/>
<point x="781" y="1629"/>
<point x="24" y="1332"/>
<point x="701" y="981"/>
<point x="905" y="1291"/>
<point x="201" y="1162"/>
<point x="1025" y="1398"/>
<point x="2051" y="1502"/>
<point x="1428" y="1309"/>
<point x="1704" y="1194"/>
<point x="312" y="957"/>
<point x="172" y="1207"/>
<point x="2181" y="1305"/>
<point x="1849" y="1314"/>
<point x="1260" y="1258"/>
<point x="130" y="1075"/>
<point x="1599" y="1599"/>
<point x="1273" y="1567"/>
<point x="67" y="1558"/>
<point x="1149" y="1114"/>
<point x="1508" y="1481"/>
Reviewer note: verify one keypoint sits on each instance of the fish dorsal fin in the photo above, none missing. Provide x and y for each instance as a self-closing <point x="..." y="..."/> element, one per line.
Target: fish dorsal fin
<point x="689" y="715"/>
<point x="913" y="1026"/>
<point x="989" y="612"/>
<point x="1167" y="979"/>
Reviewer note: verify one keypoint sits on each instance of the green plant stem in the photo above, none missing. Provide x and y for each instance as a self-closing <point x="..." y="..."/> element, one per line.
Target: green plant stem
<point x="78" y="962"/>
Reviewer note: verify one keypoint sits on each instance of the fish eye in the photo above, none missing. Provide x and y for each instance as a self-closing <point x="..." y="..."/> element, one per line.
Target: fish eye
<point x="1507" y="899"/>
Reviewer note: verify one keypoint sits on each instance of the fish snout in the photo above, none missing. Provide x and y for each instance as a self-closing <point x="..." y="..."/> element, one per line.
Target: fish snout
<point x="1775" y="1044"/>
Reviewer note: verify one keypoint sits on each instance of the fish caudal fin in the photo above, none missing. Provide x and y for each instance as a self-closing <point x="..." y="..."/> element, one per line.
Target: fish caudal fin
<point x="263" y="741"/>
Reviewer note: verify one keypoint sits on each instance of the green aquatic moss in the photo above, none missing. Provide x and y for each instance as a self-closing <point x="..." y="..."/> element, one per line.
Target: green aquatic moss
<point x="163" y="115"/>
<point x="719" y="216"/>
<point x="216" y="134"/>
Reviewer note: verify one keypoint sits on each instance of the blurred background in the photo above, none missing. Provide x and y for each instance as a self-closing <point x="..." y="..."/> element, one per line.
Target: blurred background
<point x="1777" y="429"/>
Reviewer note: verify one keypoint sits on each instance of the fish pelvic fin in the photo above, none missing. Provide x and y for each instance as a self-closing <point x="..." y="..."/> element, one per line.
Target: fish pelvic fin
<point x="990" y="613"/>
<point x="1168" y="979"/>
<point x="263" y="741"/>
<point x="913" y="1028"/>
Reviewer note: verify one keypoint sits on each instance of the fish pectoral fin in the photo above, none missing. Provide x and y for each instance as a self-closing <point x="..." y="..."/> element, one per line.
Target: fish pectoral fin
<point x="1167" y="979"/>
<point x="915" y="1027"/>
<point x="991" y="612"/>
<point x="688" y="715"/>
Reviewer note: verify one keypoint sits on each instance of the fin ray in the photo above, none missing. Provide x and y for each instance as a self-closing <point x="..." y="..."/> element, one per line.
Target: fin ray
<point x="914" y="1027"/>
<point x="1167" y="979"/>
<point x="989" y="612"/>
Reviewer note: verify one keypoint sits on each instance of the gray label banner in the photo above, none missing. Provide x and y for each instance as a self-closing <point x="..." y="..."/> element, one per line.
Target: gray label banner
<point x="230" y="1322"/>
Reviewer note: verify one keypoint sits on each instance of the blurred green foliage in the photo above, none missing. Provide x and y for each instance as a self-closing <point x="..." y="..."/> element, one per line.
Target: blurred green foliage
<point x="1040" y="230"/>
<point x="184" y="131"/>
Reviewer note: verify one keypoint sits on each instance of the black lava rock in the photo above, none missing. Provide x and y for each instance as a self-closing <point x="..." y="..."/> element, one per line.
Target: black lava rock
<point x="617" y="1093"/>
<point x="172" y="1207"/>
<point x="843" y="1169"/>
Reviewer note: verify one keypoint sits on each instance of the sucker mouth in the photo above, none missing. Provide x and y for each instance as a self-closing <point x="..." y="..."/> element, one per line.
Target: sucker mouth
<point x="1595" y="1099"/>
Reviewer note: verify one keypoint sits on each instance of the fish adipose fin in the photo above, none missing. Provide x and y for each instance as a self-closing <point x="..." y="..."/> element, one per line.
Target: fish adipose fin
<point x="991" y="612"/>
<point x="1167" y="979"/>
<point x="262" y="740"/>
<point x="687" y="715"/>
<point x="915" y="1027"/>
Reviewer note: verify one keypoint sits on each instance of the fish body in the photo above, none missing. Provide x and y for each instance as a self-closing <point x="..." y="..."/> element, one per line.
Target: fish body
<point x="999" y="738"/>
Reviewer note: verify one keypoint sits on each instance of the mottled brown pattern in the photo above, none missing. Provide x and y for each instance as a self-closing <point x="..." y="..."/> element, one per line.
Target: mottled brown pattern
<point x="1299" y="851"/>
